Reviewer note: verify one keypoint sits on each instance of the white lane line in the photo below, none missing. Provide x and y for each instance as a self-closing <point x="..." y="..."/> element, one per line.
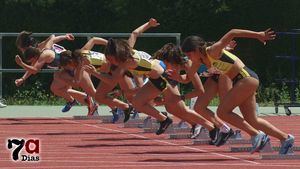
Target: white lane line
<point x="165" y="142"/>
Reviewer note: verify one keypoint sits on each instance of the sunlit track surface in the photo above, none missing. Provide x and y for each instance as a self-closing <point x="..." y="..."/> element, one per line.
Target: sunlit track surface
<point x="69" y="143"/>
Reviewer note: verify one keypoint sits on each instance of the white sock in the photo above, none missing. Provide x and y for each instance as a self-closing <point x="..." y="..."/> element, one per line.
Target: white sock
<point x="225" y="128"/>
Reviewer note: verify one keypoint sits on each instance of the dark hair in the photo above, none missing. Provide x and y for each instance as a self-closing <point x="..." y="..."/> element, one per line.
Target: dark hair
<point x="119" y="49"/>
<point x="31" y="52"/>
<point x="24" y="40"/>
<point x="67" y="57"/>
<point x="170" y="53"/>
<point x="191" y="43"/>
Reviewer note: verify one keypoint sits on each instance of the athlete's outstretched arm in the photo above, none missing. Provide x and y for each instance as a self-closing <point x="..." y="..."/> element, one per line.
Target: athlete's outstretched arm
<point x="31" y="69"/>
<point x="94" y="41"/>
<point x="43" y="43"/>
<point x="263" y="36"/>
<point x="67" y="36"/>
<point x="20" y="81"/>
<point x="132" y="39"/>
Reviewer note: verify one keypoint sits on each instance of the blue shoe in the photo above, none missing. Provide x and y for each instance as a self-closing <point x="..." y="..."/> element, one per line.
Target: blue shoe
<point x="259" y="142"/>
<point x="115" y="114"/>
<point x="68" y="106"/>
<point x="287" y="144"/>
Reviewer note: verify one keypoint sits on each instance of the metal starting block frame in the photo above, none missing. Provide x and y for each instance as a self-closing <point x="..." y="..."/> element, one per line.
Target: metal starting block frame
<point x="140" y="123"/>
<point x="235" y="139"/>
<point x="171" y="129"/>
<point x="267" y="149"/>
<point x="95" y="116"/>
<point x="203" y="135"/>
<point x="279" y="157"/>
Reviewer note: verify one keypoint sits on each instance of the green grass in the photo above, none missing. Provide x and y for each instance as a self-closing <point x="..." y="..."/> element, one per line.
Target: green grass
<point x="36" y="95"/>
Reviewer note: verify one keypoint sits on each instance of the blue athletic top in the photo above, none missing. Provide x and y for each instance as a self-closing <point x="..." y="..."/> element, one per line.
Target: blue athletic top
<point x="202" y="69"/>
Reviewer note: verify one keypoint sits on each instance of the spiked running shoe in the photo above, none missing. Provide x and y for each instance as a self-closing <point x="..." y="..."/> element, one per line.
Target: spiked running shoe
<point x="287" y="144"/>
<point x="69" y="105"/>
<point x="223" y="137"/>
<point x="2" y="105"/>
<point x="127" y="113"/>
<point x="92" y="106"/>
<point x="213" y="135"/>
<point x="197" y="131"/>
<point x="164" y="125"/>
<point x="259" y="142"/>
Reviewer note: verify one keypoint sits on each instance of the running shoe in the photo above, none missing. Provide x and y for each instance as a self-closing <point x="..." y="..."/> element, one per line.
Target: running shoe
<point x="164" y="125"/>
<point x="223" y="137"/>
<point x="197" y="130"/>
<point x="127" y="113"/>
<point x="93" y="110"/>
<point x="213" y="135"/>
<point x="92" y="106"/>
<point x="2" y="105"/>
<point x="69" y="105"/>
<point x="287" y="144"/>
<point x="193" y="129"/>
<point x="259" y="142"/>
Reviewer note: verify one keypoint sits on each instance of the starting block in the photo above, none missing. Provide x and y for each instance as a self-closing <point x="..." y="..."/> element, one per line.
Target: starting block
<point x="95" y="116"/>
<point x="238" y="139"/>
<point x="180" y="136"/>
<point x="237" y="135"/>
<point x="201" y="142"/>
<point x="171" y="129"/>
<point x="267" y="149"/>
<point x="234" y="139"/>
<point x="203" y="135"/>
<point x="183" y="124"/>
<point x="279" y="157"/>
<point x="140" y="123"/>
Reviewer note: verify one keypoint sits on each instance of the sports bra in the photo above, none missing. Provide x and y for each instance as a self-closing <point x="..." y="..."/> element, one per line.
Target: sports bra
<point x="57" y="49"/>
<point x="224" y="63"/>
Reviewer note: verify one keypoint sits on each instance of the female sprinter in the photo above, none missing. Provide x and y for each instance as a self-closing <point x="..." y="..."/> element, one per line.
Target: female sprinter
<point x="46" y="53"/>
<point x="203" y="100"/>
<point x="84" y="57"/>
<point x="174" y="60"/>
<point x="109" y="80"/>
<point x="240" y="89"/>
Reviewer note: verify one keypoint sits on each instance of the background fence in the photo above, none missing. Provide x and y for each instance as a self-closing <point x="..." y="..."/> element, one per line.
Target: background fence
<point x="82" y="35"/>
